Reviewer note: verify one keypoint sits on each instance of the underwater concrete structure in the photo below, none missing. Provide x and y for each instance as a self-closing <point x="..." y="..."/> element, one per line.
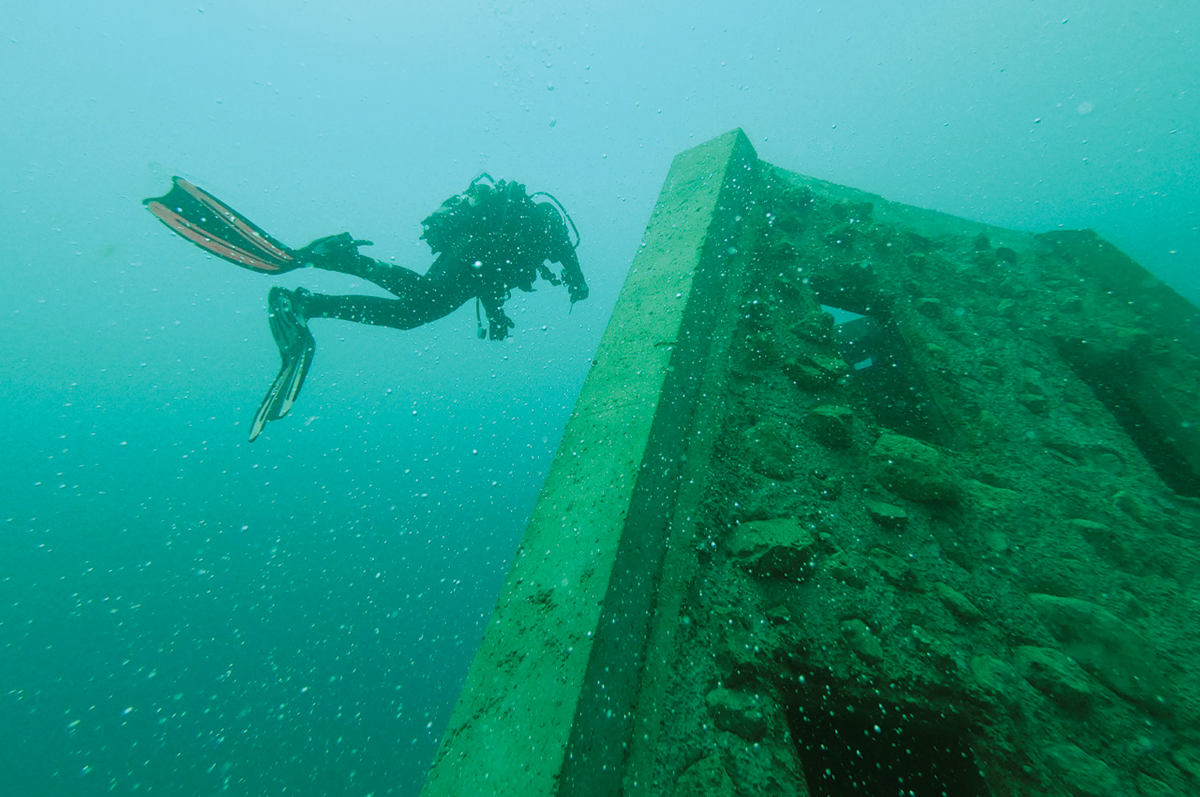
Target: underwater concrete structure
<point x="858" y="498"/>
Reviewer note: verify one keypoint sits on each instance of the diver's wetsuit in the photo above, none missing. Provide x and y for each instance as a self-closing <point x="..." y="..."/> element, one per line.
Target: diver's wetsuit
<point x="486" y="265"/>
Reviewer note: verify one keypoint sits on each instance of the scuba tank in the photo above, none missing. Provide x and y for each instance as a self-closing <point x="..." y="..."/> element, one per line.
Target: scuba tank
<point x="486" y="207"/>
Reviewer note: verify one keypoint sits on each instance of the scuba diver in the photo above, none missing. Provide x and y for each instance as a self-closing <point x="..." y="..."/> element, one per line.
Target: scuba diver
<point x="490" y="239"/>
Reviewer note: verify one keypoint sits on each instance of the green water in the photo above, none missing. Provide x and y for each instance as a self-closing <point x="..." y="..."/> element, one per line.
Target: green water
<point x="184" y="613"/>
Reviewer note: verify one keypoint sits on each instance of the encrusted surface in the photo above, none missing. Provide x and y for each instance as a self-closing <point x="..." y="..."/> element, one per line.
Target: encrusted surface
<point x="1001" y="594"/>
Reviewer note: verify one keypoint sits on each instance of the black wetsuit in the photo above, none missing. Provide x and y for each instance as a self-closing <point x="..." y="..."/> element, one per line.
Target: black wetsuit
<point x="485" y="263"/>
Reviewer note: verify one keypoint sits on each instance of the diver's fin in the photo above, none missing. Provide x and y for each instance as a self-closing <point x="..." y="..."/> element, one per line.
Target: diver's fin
<point x="215" y="227"/>
<point x="284" y="389"/>
<point x="296" y="351"/>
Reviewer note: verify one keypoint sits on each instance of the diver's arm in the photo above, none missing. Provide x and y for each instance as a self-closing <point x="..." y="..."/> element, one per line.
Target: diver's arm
<point x="573" y="275"/>
<point x="498" y="322"/>
<point x="559" y="249"/>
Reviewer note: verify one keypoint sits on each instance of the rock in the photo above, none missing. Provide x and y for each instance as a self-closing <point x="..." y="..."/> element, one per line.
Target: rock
<point x="1071" y="305"/>
<point x="1083" y="775"/>
<point x="841" y="568"/>
<point x="770" y="450"/>
<point x="956" y="602"/>
<point x="913" y="470"/>
<point x="738" y="713"/>
<point x="989" y="500"/>
<point x="779" y="548"/>
<point x="816" y="327"/>
<point x="940" y="653"/>
<point x="1115" y="654"/>
<point x="887" y="515"/>
<point x="1131" y="504"/>
<point x="928" y="307"/>
<point x="739" y="647"/>
<point x="995" y="677"/>
<point x="1107" y="542"/>
<point x="779" y="614"/>
<point x="894" y="570"/>
<point x="860" y="639"/>
<point x="1034" y="400"/>
<point x="827" y="487"/>
<point x="705" y="778"/>
<point x="1153" y="787"/>
<point x="1054" y="674"/>
<point x="995" y="540"/>
<point x="832" y="425"/>
<point x="842" y="235"/>
<point x="814" y="370"/>
<point x="1187" y="758"/>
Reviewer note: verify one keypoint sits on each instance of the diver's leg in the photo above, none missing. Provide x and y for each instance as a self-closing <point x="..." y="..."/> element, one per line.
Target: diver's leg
<point x="418" y="301"/>
<point x="340" y="253"/>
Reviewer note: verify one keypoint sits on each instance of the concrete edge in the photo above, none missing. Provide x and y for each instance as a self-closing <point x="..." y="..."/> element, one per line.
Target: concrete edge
<point x="547" y="705"/>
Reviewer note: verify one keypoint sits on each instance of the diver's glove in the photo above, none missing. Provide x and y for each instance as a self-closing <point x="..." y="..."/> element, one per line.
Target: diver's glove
<point x="498" y="325"/>
<point x="578" y="290"/>
<point x="331" y="249"/>
<point x="573" y="276"/>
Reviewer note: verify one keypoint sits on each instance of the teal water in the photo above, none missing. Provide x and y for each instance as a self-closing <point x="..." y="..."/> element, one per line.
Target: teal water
<point x="184" y="613"/>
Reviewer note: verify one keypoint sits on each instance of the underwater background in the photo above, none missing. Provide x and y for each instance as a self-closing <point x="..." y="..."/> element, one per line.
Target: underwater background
<point x="182" y="612"/>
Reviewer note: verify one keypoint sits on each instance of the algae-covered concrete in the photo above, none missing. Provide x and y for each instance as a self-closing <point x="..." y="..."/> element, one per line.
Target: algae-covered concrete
<point x="859" y="498"/>
<point x="546" y="706"/>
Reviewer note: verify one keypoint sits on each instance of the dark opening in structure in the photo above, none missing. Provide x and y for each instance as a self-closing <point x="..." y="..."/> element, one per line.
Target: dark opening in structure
<point x="889" y="382"/>
<point x="1110" y="384"/>
<point x="851" y="747"/>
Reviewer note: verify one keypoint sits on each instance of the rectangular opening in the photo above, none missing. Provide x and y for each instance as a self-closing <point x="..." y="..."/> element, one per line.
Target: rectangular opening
<point x="851" y="746"/>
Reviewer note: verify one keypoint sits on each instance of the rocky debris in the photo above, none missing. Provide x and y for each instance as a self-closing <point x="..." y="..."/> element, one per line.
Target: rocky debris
<point x="739" y="644"/>
<point x="770" y="450"/>
<point x="1083" y="775"/>
<point x="956" y="602"/>
<point x="779" y="548"/>
<point x="767" y="767"/>
<point x="705" y="778"/>
<point x="913" y="470"/>
<point x="1054" y="674"/>
<point x="832" y="425"/>
<point x="756" y="750"/>
<point x="737" y="712"/>
<point x="990" y="394"/>
<point x="1115" y="654"/>
<point x="858" y="636"/>
<point x="885" y="514"/>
